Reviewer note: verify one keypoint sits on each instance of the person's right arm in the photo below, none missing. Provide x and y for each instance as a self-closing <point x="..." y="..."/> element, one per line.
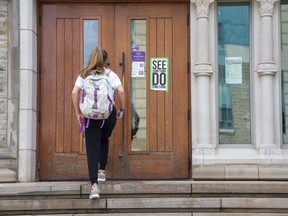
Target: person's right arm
<point x="76" y="98"/>
<point x="121" y="95"/>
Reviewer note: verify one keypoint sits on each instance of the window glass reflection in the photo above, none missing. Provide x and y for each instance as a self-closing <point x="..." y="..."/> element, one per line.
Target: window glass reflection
<point x="284" y="65"/>
<point x="138" y="85"/>
<point x="90" y="35"/>
<point x="90" y="40"/>
<point x="234" y="73"/>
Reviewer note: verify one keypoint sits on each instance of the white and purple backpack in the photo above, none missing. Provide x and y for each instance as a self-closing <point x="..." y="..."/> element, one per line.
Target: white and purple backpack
<point x="96" y="100"/>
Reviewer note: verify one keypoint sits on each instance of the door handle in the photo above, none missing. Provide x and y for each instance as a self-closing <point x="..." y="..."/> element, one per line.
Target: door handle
<point x="122" y="64"/>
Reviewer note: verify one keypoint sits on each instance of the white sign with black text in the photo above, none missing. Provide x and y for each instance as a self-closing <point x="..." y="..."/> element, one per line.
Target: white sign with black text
<point x="159" y="71"/>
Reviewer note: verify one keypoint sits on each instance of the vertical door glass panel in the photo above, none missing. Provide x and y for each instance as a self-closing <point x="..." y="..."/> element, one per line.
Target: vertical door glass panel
<point x="90" y="35"/>
<point x="138" y="85"/>
<point x="90" y="40"/>
<point x="284" y="69"/>
<point x="234" y="73"/>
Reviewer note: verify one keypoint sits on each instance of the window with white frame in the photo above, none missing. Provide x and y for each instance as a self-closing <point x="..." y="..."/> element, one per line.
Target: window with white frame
<point x="284" y="68"/>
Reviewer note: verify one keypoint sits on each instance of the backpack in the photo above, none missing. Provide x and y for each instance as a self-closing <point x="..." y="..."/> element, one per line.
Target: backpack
<point x="136" y="121"/>
<point x="96" y="100"/>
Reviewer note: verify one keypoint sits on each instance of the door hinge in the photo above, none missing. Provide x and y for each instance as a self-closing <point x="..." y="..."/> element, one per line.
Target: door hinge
<point x="188" y="115"/>
<point x="39" y="20"/>
<point x="188" y="19"/>
<point x="39" y="68"/>
<point x="189" y="163"/>
<point x="39" y="116"/>
<point x="188" y="67"/>
<point x="38" y="164"/>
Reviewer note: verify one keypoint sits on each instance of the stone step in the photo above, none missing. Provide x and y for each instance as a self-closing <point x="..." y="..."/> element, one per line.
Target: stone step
<point x="115" y="188"/>
<point x="192" y="198"/>
<point x="83" y="188"/>
<point x="181" y="204"/>
<point x="126" y="214"/>
<point x="170" y="214"/>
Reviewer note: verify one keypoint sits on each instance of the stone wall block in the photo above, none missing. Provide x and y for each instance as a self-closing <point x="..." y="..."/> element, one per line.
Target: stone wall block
<point x="3" y="140"/>
<point x="273" y="172"/>
<point x="3" y="37"/>
<point x="3" y="27"/>
<point x="8" y="175"/>
<point x="208" y="172"/>
<point x="3" y="106"/>
<point x="3" y="6"/>
<point x="14" y="76"/>
<point x="3" y="53"/>
<point x="3" y="14"/>
<point x="3" y="85"/>
<point x="13" y="123"/>
<point x="3" y="125"/>
<point x="3" y="65"/>
<point x="3" y="44"/>
<point x="3" y="18"/>
<point x="239" y="172"/>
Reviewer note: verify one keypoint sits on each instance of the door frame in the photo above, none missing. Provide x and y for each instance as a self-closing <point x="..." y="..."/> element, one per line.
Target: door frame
<point x="30" y="160"/>
<point x="114" y="1"/>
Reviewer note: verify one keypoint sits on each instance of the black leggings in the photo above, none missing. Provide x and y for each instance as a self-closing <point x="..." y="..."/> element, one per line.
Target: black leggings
<point x="97" y="144"/>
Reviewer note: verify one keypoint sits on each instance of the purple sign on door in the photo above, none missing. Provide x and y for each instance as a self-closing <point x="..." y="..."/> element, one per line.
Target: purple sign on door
<point x="138" y="56"/>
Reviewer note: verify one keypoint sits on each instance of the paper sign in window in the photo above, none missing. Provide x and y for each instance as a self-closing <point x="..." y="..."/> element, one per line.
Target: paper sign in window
<point x="233" y="70"/>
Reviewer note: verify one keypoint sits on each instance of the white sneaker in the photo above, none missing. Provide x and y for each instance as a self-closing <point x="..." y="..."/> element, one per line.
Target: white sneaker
<point x="94" y="193"/>
<point x="101" y="176"/>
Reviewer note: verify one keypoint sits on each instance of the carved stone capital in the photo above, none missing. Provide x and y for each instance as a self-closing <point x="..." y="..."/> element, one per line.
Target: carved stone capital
<point x="202" y="7"/>
<point x="266" y="7"/>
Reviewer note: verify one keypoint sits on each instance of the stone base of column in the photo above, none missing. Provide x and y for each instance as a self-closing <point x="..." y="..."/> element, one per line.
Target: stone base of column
<point x="239" y="172"/>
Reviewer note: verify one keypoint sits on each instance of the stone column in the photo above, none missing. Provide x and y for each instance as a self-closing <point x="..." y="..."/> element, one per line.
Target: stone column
<point x="203" y="70"/>
<point x="28" y="91"/>
<point x="8" y="109"/>
<point x="267" y="70"/>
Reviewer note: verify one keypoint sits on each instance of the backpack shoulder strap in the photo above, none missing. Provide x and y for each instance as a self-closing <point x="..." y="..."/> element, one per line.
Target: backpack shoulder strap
<point x="107" y="71"/>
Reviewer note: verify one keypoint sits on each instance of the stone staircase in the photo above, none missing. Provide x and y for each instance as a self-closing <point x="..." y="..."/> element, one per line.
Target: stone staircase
<point x="147" y="198"/>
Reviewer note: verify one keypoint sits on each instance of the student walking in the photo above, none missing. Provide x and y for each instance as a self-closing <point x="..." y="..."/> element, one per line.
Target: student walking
<point x="97" y="131"/>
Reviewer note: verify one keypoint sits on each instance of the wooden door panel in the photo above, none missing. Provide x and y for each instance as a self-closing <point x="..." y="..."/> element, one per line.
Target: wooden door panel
<point x="75" y="66"/>
<point x="152" y="102"/>
<point x="167" y="112"/>
<point x="180" y="93"/>
<point x="67" y="36"/>
<point x="161" y="114"/>
<point x="61" y="152"/>
<point x="48" y="93"/>
<point x="59" y="68"/>
<point x="168" y="97"/>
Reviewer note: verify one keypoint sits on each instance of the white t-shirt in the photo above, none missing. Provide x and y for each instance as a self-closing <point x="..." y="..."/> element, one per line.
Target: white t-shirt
<point x="112" y="77"/>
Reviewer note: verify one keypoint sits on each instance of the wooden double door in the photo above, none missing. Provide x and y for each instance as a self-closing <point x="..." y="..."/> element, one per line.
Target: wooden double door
<point x="153" y="140"/>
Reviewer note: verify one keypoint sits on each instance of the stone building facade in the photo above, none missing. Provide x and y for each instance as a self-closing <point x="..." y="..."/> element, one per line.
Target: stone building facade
<point x="9" y="90"/>
<point x="264" y="157"/>
<point x="4" y="67"/>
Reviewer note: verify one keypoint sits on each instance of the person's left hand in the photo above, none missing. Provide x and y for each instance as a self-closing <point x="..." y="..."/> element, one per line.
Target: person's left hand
<point x="119" y="114"/>
<point x="79" y="118"/>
